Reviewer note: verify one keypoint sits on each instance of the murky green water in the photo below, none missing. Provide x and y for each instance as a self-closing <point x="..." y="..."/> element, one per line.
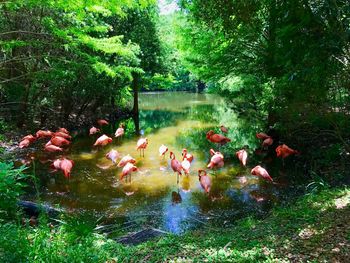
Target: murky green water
<point x="153" y="197"/>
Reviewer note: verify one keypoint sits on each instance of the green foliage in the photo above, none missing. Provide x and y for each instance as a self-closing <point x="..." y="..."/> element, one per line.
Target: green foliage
<point x="11" y="187"/>
<point x="50" y="50"/>
<point x="268" y="240"/>
<point x="281" y="62"/>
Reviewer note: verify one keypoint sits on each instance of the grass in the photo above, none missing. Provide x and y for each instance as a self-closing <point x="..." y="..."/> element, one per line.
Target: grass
<point x="315" y="229"/>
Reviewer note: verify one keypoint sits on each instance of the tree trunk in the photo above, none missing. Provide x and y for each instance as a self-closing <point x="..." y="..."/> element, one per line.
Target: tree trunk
<point x="135" y="110"/>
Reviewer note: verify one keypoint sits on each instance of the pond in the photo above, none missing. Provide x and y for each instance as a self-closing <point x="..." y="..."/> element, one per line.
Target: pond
<point x="153" y="198"/>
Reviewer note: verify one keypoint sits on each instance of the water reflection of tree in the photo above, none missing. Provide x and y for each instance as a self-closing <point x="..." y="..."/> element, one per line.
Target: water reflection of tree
<point x="151" y="120"/>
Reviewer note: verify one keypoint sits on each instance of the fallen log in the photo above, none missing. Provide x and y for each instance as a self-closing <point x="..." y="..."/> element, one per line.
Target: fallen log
<point x="34" y="209"/>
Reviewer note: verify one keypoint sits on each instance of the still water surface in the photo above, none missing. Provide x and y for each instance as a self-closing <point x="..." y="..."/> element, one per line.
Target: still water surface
<point x="153" y="197"/>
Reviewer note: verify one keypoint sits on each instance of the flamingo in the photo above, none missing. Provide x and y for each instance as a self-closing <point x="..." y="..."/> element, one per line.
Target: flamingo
<point x="113" y="155"/>
<point x="142" y="145"/>
<point x="217" y="138"/>
<point x="52" y="148"/>
<point x="186" y="155"/>
<point x="267" y="142"/>
<point x="127" y="170"/>
<point x="64" y="130"/>
<point x="162" y="150"/>
<point x="102" y="122"/>
<point x="103" y="140"/>
<point x="126" y="159"/>
<point x="176" y="166"/>
<point x="93" y="130"/>
<point x="65" y="165"/>
<point x="41" y="134"/>
<point x="223" y="129"/>
<point x="120" y="131"/>
<point x="284" y="151"/>
<point x="204" y="180"/>
<point x="185" y="164"/>
<point x="242" y="156"/>
<point x="260" y="171"/>
<point x="29" y="137"/>
<point x="59" y="141"/>
<point x="217" y="160"/>
<point x="262" y="136"/>
<point x="24" y="143"/>
<point x="63" y="135"/>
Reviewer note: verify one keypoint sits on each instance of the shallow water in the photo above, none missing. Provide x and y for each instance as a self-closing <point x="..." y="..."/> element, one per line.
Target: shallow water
<point x="153" y="197"/>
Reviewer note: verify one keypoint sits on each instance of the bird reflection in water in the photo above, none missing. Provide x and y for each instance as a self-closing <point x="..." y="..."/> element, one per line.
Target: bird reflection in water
<point x="177" y="214"/>
<point x="128" y="189"/>
<point x="176" y="197"/>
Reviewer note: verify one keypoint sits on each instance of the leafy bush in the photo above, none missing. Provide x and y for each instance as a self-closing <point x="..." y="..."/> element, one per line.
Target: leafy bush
<point x="11" y="187"/>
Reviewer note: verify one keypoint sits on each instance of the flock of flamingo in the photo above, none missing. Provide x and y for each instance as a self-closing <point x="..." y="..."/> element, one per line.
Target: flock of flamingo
<point x="61" y="138"/>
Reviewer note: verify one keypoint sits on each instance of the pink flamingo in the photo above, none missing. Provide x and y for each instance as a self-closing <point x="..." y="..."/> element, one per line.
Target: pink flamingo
<point x="186" y="166"/>
<point x="142" y="145"/>
<point x="102" y="122"/>
<point x="223" y="129"/>
<point x="93" y="130"/>
<point x="41" y="134"/>
<point x="59" y="141"/>
<point x="204" y="180"/>
<point x="217" y="160"/>
<point x="176" y="166"/>
<point x="113" y="155"/>
<point x="52" y="148"/>
<point x="162" y="150"/>
<point x="120" y="131"/>
<point x="127" y="170"/>
<point x="103" y="140"/>
<point x="64" y="130"/>
<point x="242" y="156"/>
<point x="267" y="142"/>
<point x="126" y="159"/>
<point x="260" y="171"/>
<point x="217" y="138"/>
<point x="262" y="136"/>
<point x="186" y="155"/>
<point x="65" y="165"/>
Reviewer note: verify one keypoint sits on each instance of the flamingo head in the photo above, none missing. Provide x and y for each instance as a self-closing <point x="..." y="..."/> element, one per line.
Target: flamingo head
<point x="278" y="151"/>
<point x="172" y="155"/>
<point x="209" y="134"/>
<point x="200" y="171"/>
<point x="184" y="151"/>
<point x="212" y="152"/>
<point x="134" y="168"/>
<point x="253" y="171"/>
<point x="109" y="139"/>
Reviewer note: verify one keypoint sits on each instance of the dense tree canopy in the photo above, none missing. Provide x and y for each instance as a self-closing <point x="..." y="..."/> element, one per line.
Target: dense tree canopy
<point x="286" y="61"/>
<point x="66" y="61"/>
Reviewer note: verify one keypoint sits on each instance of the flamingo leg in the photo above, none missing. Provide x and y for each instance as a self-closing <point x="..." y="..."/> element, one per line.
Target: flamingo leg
<point x="143" y="152"/>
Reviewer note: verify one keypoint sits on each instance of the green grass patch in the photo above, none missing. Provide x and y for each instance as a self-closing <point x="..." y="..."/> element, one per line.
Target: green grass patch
<point x="289" y="233"/>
